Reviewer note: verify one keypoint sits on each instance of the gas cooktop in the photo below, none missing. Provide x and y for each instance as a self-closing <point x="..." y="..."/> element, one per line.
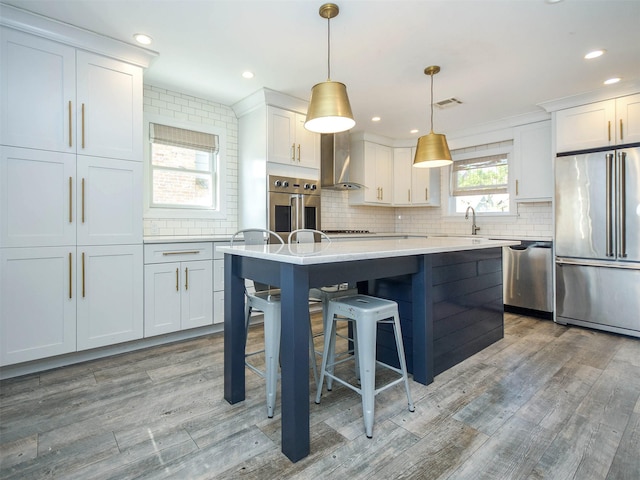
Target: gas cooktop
<point x="335" y="232"/>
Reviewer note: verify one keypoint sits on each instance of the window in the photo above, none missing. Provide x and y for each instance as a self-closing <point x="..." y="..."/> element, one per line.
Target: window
<point x="481" y="182"/>
<point x="183" y="168"/>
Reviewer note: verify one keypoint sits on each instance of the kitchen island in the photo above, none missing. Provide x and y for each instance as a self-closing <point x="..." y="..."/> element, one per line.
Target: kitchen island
<point x="407" y="267"/>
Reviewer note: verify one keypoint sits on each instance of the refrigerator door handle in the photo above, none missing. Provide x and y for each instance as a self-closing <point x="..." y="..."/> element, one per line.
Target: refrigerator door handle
<point x="622" y="213"/>
<point x="609" y="206"/>
<point x="561" y="261"/>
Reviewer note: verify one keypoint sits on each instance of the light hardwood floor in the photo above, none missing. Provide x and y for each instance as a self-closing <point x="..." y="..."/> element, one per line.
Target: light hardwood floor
<point x="547" y="401"/>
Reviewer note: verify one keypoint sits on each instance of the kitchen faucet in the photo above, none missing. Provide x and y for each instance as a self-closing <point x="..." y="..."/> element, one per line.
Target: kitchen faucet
<point x="474" y="228"/>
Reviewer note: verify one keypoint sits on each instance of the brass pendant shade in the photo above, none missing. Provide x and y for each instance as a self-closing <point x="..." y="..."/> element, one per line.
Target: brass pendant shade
<point x="432" y="149"/>
<point x="329" y="108"/>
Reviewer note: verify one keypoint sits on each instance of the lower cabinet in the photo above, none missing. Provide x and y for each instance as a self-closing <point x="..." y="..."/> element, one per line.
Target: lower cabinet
<point x="58" y="300"/>
<point x="38" y="307"/>
<point x="109" y="295"/>
<point x="178" y="287"/>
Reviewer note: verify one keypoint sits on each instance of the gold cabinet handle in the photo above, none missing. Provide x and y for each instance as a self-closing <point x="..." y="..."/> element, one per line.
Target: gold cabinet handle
<point x="70" y="126"/>
<point x="83" y="290"/>
<point x="70" y="199"/>
<point x="621" y="133"/>
<point x="83" y="200"/>
<point x="186" y="278"/>
<point x="517" y="189"/>
<point x="609" y="129"/>
<point x="409" y="194"/>
<point x="177" y="279"/>
<point x="426" y="194"/>
<point x="70" y="276"/>
<point x="381" y="194"/>
<point x="293" y="152"/>
<point x="298" y="153"/>
<point x="83" y="125"/>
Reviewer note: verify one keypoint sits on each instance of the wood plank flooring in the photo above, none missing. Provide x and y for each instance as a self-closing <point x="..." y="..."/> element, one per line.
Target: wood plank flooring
<point x="546" y="402"/>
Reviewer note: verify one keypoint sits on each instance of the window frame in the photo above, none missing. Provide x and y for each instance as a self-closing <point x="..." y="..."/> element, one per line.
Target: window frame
<point x="220" y="176"/>
<point x="479" y="153"/>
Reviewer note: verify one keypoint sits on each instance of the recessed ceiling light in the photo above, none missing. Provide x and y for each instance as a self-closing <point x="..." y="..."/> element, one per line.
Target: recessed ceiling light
<point x="415" y="130"/>
<point x="247" y="74"/>
<point x="611" y="81"/>
<point x="143" y="39"/>
<point x="375" y="119"/>
<point x="594" y="54"/>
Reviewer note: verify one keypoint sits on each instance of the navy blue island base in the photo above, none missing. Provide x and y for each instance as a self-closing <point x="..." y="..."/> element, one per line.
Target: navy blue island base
<point x="415" y="273"/>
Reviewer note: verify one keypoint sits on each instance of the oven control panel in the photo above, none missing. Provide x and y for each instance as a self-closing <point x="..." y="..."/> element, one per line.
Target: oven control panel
<point x="293" y="185"/>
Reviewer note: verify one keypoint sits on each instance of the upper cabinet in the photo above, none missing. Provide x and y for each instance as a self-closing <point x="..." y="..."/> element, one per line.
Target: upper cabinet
<point x="532" y="165"/>
<point x="413" y="186"/>
<point x="371" y="166"/>
<point x="289" y="142"/>
<point x="600" y="124"/>
<point x="57" y="98"/>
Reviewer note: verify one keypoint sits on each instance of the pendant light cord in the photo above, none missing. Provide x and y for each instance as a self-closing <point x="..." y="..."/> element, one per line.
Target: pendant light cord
<point x="431" y="102"/>
<point x="329" y="49"/>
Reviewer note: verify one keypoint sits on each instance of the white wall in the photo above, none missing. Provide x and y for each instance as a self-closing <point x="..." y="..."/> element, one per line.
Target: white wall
<point x="179" y="106"/>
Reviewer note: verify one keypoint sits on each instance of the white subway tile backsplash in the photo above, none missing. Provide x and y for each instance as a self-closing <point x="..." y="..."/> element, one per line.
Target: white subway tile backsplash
<point x="185" y="107"/>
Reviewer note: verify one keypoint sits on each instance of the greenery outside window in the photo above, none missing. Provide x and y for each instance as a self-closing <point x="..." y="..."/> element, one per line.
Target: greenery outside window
<point x="183" y="168"/>
<point x="481" y="182"/>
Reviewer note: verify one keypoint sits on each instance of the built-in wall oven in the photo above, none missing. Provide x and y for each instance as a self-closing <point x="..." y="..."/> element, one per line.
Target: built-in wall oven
<point x="293" y="203"/>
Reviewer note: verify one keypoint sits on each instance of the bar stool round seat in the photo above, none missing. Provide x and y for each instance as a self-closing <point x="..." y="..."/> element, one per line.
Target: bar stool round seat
<point x="366" y="312"/>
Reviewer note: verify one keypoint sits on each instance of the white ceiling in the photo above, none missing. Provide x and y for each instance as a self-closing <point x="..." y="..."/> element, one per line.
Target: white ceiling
<point x="501" y="58"/>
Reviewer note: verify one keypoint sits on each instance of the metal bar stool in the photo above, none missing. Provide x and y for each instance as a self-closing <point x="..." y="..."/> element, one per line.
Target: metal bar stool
<point x="366" y="312"/>
<point x="267" y="300"/>
<point x="320" y="294"/>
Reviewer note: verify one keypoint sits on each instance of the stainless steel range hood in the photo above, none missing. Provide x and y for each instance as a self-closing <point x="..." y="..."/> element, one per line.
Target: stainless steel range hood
<point x="334" y="162"/>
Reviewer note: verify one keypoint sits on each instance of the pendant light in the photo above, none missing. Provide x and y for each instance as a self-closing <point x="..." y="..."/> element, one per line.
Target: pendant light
<point x="432" y="150"/>
<point x="329" y="109"/>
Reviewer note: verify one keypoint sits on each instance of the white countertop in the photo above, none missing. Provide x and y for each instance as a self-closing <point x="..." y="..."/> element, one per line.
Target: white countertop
<point x="317" y="253"/>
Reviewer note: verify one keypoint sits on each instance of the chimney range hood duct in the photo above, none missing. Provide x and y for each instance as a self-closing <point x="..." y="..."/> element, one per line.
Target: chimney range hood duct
<point x="334" y="162"/>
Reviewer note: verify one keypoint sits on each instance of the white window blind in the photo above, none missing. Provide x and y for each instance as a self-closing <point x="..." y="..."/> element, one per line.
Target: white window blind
<point x="480" y="175"/>
<point x="180" y="137"/>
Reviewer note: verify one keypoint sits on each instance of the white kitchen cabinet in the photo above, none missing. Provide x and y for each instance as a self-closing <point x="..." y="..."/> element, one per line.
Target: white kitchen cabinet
<point x="38" y="308"/>
<point x="110" y="295"/>
<point x="413" y="186"/>
<point x="70" y="191"/>
<point x="52" y="198"/>
<point x="178" y="289"/>
<point x="532" y="165"/>
<point x="37" y="198"/>
<point x="628" y="119"/>
<point x="109" y="194"/>
<point x="600" y="124"/>
<point x="38" y="79"/>
<point x="289" y="142"/>
<point x="57" y="98"/>
<point x="371" y="166"/>
<point x="109" y="108"/>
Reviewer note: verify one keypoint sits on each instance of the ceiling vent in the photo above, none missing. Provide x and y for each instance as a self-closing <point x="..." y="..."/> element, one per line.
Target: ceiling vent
<point x="448" y="103"/>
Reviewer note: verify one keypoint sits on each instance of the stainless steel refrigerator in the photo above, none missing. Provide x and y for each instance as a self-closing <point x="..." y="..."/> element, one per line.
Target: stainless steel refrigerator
<point x="597" y="242"/>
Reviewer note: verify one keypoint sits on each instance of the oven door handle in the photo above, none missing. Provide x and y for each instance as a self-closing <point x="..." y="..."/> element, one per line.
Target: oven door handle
<point x="297" y="212"/>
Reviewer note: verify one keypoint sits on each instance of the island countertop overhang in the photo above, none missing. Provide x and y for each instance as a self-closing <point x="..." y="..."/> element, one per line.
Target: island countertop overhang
<point x="325" y="252"/>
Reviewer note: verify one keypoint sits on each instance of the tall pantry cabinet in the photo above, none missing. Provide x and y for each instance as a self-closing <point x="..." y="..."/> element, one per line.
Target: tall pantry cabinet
<point x="71" y="253"/>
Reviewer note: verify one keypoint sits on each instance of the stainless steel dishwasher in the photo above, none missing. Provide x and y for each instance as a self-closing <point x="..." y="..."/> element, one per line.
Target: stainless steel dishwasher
<point x="527" y="277"/>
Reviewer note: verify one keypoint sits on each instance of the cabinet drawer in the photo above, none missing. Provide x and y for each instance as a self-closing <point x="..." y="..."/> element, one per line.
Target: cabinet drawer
<point x="177" y="252"/>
